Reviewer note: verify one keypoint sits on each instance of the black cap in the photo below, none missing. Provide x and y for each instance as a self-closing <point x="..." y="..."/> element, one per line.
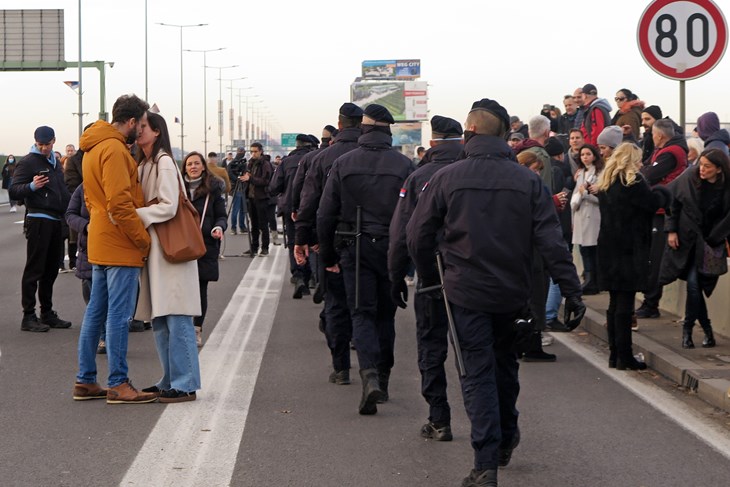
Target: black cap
<point x="446" y="126"/>
<point x="303" y="138"/>
<point x="554" y="147"/>
<point x="314" y="140"/>
<point x="590" y="89"/>
<point x="379" y="113"/>
<point x="654" y="111"/>
<point x="350" y="110"/>
<point x="494" y="108"/>
<point x="44" y="134"/>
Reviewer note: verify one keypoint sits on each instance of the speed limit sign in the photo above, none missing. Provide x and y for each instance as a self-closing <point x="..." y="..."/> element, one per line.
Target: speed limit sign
<point x="682" y="39"/>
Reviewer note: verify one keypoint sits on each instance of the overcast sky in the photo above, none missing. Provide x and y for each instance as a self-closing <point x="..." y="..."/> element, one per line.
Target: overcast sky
<point x="300" y="58"/>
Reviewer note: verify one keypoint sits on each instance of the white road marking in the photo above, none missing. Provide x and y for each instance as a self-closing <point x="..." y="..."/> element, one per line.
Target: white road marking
<point x="197" y="443"/>
<point x="683" y="415"/>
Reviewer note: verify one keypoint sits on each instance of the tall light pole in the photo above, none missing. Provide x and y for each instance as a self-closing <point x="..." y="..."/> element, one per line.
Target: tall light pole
<point x="81" y="91"/>
<point x="205" y="93"/>
<point x="146" y="62"/>
<point x="240" y="117"/>
<point x="182" y="94"/>
<point x="230" y="112"/>
<point x="220" y="103"/>
<point x="248" y="140"/>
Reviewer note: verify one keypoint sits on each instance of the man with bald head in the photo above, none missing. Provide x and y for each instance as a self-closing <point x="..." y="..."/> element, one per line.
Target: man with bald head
<point x="484" y="214"/>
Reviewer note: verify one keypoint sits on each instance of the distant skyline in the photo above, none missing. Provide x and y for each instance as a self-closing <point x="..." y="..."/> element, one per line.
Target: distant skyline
<point x="300" y="60"/>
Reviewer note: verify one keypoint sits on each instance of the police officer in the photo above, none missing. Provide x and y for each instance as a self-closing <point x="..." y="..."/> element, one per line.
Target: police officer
<point x="280" y="184"/>
<point x="431" y="323"/>
<point x="336" y="319"/>
<point x="491" y="212"/>
<point x="366" y="181"/>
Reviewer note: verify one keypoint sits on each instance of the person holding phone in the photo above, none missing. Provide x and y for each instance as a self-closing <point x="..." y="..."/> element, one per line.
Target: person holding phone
<point x="38" y="181"/>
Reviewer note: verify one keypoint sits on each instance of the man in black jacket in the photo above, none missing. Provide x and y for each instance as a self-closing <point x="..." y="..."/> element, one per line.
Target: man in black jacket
<point x="258" y="175"/>
<point x="491" y="212"/>
<point x="39" y="181"/>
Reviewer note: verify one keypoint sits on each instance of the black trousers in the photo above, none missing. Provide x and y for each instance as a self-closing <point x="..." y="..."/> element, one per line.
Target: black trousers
<point x="271" y="216"/>
<point x="432" y="339"/>
<point x="44" y="250"/>
<point x="656" y="252"/>
<point x="198" y="320"/>
<point x="257" y="211"/>
<point x="338" y="324"/>
<point x="299" y="271"/>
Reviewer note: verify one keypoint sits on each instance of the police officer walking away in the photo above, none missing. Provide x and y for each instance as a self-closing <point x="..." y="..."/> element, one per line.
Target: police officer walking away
<point x="491" y="212"/>
<point x="38" y="180"/>
<point x="431" y="321"/>
<point x="363" y="186"/>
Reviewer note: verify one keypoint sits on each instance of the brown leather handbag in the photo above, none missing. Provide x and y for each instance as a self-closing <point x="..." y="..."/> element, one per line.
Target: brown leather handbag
<point x="180" y="237"/>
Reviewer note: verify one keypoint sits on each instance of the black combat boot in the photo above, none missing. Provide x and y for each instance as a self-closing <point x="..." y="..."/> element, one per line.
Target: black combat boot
<point x="625" y="359"/>
<point x="611" y="332"/>
<point x="299" y="288"/>
<point x="536" y="353"/>
<point x="371" y="392"/>
<point x="709" y="340"/>
<point x="383" y="380"/>
<point x="590" y="285"/>
<point x="687" y="335"/>
<point x="481" y="478"/>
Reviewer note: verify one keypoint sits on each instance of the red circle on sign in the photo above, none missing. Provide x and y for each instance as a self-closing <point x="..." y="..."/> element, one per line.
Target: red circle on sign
<point x="695" y="72"/>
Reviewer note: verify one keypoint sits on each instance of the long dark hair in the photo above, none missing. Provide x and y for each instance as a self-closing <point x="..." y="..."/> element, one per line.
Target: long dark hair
<point x="207" y="181"/>
<point x="597" y="159"/>
<point x="719" y="159"/>
<point x="157" y="122"/>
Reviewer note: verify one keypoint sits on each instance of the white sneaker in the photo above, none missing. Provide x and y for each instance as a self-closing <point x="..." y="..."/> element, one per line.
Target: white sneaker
<point x="13" y="209"/>
<point x="410" y="281"/>
<point x="547" y="340"/>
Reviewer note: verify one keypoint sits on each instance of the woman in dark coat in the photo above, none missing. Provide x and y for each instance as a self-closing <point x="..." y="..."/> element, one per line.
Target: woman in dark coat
<point x="7" y="173"/>
<point x="700" y="213"/>
<point x="206" y="193"/>
<point x="627" y="205"/>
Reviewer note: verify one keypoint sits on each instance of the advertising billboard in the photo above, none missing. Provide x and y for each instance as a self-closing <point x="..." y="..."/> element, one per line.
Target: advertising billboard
<point x="405" y="134"/>
<point x="405" y="100"/>
<point x="396" y="69"/>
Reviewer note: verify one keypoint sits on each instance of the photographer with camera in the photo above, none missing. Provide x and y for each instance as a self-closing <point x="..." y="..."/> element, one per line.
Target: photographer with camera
<point x="38" y="180"/>
<point x="236" y="169"/>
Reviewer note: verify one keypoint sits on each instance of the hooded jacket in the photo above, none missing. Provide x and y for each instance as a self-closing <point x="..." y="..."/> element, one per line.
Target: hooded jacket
<point x="52" y="199"/>
<point x="117" y="236"/>
<point x="595" y="119"/>
<point x="630" y="114"/>
<point x="718" y="140"/>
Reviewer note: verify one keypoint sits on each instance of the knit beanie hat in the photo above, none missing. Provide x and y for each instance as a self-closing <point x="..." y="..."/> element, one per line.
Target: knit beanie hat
<point x="707" y="124"/>
<point x="554" y="147"/>
<point x="611" y="136"/>
<point x="654" y="111"/>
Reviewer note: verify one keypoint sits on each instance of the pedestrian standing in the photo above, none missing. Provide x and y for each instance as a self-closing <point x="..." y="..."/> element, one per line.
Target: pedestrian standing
<point x="167" y="297"/>
<point x="38" y="181"/>
<point x="257" y="176"/>
<point x="7" y="175"/>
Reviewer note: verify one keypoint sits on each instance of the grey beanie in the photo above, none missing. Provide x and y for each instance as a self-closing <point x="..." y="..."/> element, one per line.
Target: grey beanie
<point x="611" y="136"/>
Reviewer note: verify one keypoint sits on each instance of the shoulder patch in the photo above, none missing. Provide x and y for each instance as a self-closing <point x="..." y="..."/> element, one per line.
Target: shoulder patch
<point x="403" y="192"/>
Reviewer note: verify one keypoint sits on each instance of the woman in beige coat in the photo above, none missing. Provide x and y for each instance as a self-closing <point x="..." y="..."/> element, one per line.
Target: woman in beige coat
<point x="168" y="291"/>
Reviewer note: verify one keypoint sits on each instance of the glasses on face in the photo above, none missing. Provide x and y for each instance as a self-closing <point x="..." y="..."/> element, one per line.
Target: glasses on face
<point x="620" y="98"/>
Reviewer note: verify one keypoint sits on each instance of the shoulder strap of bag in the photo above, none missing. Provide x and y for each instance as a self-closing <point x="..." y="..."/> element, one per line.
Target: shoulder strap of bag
<point x="179" y="176"/>
<point x="205" y="208"/>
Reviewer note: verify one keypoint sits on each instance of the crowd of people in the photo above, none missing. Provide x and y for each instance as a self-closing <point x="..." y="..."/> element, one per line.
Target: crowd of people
<point x="487" y="218"/>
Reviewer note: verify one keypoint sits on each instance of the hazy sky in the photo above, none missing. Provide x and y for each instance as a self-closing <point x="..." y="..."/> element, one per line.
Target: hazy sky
<point x="300" y="58"/>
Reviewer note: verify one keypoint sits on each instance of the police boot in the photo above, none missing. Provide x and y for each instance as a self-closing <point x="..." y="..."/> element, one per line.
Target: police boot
<point x="611" y="332"/>
<point x="536" y="353"/>
<point x="625" y="359"/>
<point x="590" y="286"/>
<point x="481" y="478"/>
<point x="383" y="380"/>
<point x="709" y="340"/>
<point x="687" y="335"/>
<point x="371" y="393"/>
<point x="299" y="288"/>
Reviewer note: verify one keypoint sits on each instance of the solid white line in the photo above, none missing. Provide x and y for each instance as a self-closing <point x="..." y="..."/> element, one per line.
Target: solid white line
<point x="197" y="443"/>
<point x="684" y="416"/>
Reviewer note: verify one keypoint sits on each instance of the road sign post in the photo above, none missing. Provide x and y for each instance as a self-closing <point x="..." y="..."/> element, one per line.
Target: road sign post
<point x="682" y="40"/>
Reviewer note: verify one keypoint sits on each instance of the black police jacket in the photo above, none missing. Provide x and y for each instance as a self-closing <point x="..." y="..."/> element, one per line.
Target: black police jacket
<point x="298" y="182"/>
<point x="370" y="177"/>
<point x="52" y="199"/>
<point x="492" y="212"/>
<point x="284" y="175"/>
<point x="436" y="158"/>
<point x="314" y="182"/>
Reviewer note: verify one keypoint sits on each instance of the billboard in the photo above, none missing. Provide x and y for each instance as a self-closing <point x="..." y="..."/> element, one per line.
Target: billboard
<point x="31" y="39"/>
<point x="405" y="100"/>
<point x="406" y="134"/>
<point x="392" y="69"/>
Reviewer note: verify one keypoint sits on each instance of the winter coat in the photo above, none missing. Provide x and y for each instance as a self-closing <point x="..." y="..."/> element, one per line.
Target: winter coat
<point x="73" y="171"/>
<point x="718" y="140"/>
<point x="686" y="219"/>
<point x="214" y="215"/>
<point x="624" y="240"/>
<point x="630" y="114"/>
<point x="586" y="214"/>
<point x="52" y="199"/>
<point x="166" y="288"/>
<point x="8" y="170"/>
<point x="258" y="186"/>
<point x="77" y="217"/>
<point x="117" y="236"/>
<point x="595" y="118"/>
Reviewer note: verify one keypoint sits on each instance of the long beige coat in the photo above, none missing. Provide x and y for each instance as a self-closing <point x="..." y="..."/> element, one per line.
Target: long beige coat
<point x="165" y="288"/>
<point x="586" y="213"/>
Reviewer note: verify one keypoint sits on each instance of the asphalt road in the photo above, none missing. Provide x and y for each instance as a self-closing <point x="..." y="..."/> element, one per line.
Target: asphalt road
<point x="267" y="416"/>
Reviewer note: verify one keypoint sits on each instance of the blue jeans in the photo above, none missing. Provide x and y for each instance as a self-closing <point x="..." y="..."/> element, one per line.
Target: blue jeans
<point x="238" y="211"/>
<point x="695" y="307"/>
<point x="554" y="298"/>
<point x="178" y="352"/>
<point x="111" y="306"/>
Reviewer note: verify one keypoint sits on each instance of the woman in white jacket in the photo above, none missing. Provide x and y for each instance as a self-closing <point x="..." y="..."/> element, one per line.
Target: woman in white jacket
<point x="168" y="291"/>
<point x="586" y="214"/>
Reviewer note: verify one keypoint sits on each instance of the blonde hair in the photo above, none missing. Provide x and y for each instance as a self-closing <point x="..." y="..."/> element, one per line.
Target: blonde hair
<point x="623" y="164"/>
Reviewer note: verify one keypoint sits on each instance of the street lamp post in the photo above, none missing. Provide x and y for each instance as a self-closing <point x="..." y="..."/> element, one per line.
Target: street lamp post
<point x="182" y="94"/>
<point x="248" y="140"/>
<point x="220" y="103"/>
<point x="230" y="112"/>
<point x="240" y="117"/>
<point x="205" y="93"/>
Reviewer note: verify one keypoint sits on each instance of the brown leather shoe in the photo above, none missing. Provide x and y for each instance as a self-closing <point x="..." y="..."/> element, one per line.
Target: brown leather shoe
<point x="84" y="392"/>
<point x="125" y="393"/>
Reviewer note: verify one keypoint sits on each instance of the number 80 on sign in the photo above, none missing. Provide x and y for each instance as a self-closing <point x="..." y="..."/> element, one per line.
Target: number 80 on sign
<point x="682" y="39"/>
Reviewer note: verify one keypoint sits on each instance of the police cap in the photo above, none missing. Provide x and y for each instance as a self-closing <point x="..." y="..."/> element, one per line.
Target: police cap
<point x="446" y="126"/>
<point x="494" y="108"/>
<point x="303" y="138"/>
<point x="379" y="114"/>
<point x="314" y="140"/>
<point x="350" y="110"/>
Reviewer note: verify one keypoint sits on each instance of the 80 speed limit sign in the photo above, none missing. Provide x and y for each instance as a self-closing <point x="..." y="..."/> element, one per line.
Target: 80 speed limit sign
<point x="682" y="39"/>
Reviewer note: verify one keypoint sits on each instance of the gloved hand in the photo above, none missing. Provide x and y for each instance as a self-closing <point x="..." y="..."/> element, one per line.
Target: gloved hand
<point x="574" y="305"/>
<point x="664" y="196"/>
<point x="399" y="293"/>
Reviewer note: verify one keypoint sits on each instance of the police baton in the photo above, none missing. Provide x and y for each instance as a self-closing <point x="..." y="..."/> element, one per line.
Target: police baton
<point x="357" y="234"/>
<point x="449" y="317"/>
